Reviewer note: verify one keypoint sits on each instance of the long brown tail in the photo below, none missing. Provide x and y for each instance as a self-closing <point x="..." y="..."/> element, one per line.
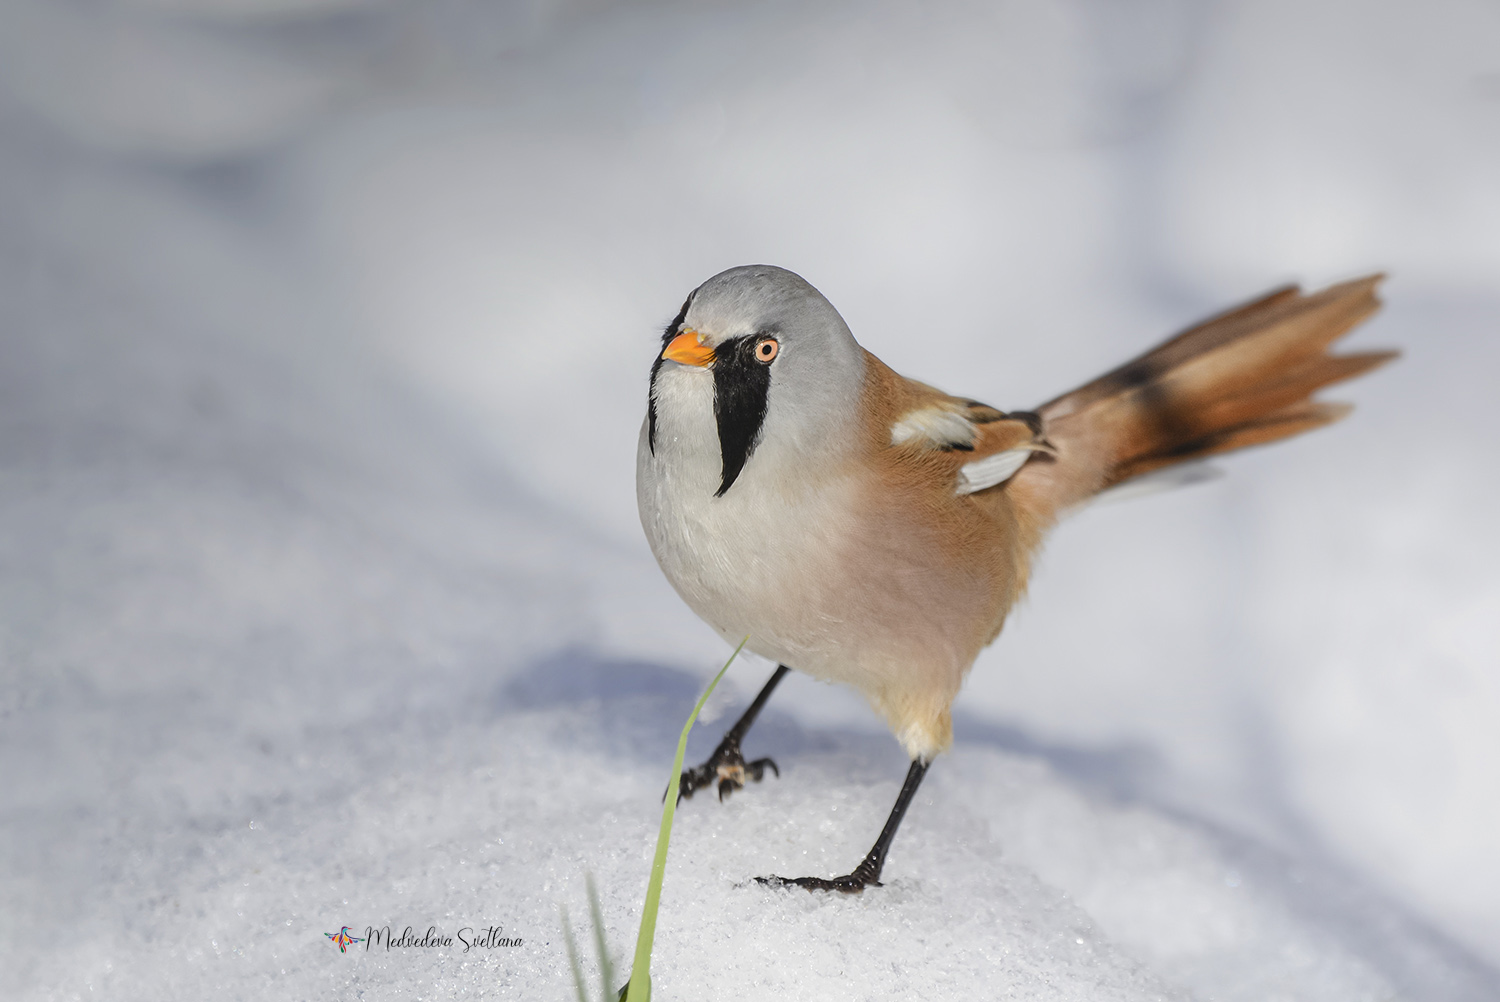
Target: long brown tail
<point x="1243" y="378"/>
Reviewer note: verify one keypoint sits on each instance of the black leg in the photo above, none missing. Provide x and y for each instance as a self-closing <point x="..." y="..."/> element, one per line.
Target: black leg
<point x="726" y="767"/>
<point x="867" y="873"/>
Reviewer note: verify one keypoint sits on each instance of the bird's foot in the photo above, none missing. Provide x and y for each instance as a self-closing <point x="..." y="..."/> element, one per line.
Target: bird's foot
<point x="866" y="874"/>
<point x="727" y="769"/>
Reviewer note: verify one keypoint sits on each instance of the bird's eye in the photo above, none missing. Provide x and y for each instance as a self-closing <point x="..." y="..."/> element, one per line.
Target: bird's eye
<point x="766" y="350"/>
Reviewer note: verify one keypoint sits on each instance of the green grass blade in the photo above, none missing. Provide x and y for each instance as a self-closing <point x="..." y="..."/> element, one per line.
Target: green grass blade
<point x="573" y="955"/>
<point x="596" y="914"/>
<point x="640" y="971"/>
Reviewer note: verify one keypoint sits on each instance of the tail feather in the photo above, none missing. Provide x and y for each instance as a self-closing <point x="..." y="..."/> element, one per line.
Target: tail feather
<point x="1288" y="388"/>
<point x="1240" y="379"/>
<point x="1266" y="428"/>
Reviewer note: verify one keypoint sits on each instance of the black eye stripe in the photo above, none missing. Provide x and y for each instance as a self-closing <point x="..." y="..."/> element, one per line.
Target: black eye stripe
<point x="742" y="386"/>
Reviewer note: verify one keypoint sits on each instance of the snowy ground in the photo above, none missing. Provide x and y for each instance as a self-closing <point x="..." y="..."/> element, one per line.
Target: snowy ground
<point x="324" y="329"/>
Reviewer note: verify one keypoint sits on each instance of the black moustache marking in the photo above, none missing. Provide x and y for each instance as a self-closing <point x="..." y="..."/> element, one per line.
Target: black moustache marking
<point x="666" y="339"/>
<point x="742" y="386"/>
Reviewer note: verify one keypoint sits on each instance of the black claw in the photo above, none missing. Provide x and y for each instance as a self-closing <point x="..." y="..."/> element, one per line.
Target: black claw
<point x="725" y="769"/>
<point x="866" y="874"/>
<point x="851" y="883"/>
<point x="757" y="769"/>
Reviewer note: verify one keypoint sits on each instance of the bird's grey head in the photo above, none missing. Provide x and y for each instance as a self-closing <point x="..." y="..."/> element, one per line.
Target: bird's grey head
<point x="786" y="371"/>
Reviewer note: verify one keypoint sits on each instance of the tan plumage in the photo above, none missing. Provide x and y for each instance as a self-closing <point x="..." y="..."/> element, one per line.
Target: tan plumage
<point x="902" y="521"/>
<point x="926" y="555"/>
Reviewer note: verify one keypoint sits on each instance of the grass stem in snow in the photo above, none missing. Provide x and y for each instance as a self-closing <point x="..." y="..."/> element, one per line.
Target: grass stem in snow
<point x="639" y="989"/>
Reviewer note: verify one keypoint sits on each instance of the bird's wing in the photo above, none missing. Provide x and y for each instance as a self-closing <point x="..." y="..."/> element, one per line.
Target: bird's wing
<point x="1002" y="445"/>
<point x="986" y="445"/>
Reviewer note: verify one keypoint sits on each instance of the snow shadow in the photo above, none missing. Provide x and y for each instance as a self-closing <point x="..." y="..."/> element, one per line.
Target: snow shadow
<point x="1124" y="771"/>
<point x="641" y="706"/>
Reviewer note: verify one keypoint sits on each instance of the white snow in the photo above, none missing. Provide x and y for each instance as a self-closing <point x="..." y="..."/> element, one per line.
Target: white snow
<point x="324" y="332"/>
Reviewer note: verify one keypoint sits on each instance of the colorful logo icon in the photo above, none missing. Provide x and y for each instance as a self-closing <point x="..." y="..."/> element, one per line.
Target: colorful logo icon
<point x="343" y="939"/>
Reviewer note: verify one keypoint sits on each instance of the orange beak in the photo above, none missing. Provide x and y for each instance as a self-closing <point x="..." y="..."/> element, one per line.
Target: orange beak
<point x="689" y="350"/>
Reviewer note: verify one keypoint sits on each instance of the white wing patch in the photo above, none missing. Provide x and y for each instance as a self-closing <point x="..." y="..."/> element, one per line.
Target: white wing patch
<point x="945" y="426"/>
<point x="992" y="470"/>
<point x="936" y="427"/>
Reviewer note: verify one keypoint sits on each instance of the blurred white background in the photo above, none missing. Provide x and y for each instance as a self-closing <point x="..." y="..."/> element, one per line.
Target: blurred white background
<point x="325" y="328"/>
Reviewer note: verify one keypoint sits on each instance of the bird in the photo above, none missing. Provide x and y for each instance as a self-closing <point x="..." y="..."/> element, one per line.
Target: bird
<point x="864" y="528"/>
